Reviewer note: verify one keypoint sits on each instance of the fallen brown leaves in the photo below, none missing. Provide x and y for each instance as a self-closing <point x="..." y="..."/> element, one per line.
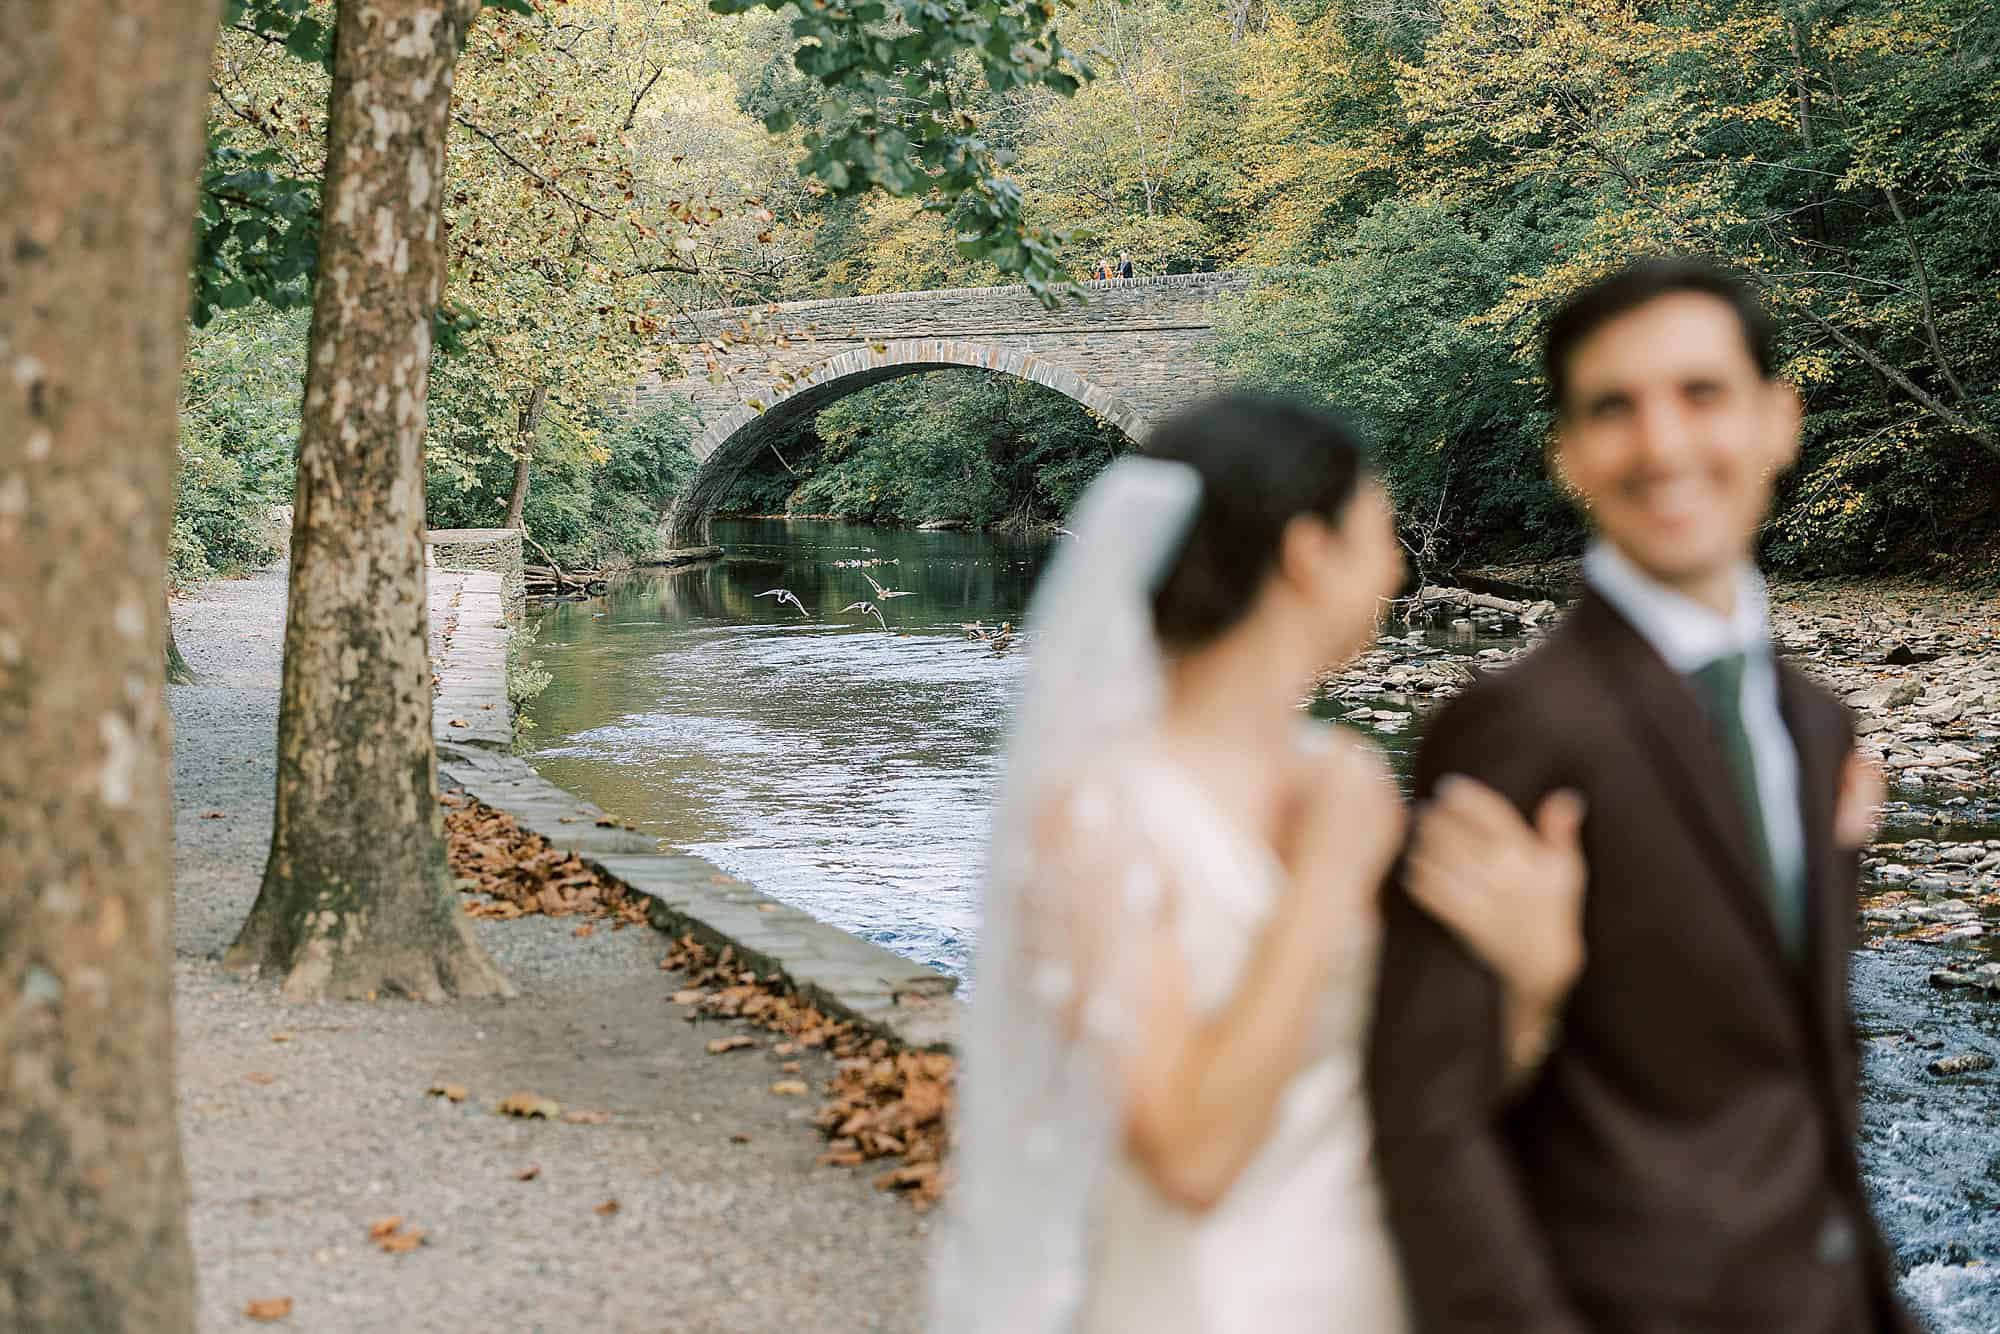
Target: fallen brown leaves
<point x="523" y="873"/>
<point x="525" y="1105"/>
<point x="882" y="1104"/>
<point x="269" y="1308"/>
<point x="390" y="1234"/>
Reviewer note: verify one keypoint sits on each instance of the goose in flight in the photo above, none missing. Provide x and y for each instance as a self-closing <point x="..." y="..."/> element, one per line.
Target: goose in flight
<point x="868" y="607"/>
<point x="785" y="595"/>
<point x="884" y="594"/>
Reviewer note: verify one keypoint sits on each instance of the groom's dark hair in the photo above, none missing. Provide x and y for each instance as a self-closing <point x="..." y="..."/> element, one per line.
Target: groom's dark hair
<point x="1590" y="308"/>
<point x="1263" y="461"/>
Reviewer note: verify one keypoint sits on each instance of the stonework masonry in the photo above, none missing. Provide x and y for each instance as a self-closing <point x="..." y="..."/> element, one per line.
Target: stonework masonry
<point x="1130" y="350"/>
<point x="493" y="549"/>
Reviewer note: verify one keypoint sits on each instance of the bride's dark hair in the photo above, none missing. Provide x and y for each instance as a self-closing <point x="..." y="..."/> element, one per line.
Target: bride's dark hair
<point x="1263" y="461"/>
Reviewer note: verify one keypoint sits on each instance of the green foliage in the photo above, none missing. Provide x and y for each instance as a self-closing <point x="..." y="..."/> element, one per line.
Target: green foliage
<point x="526" y="678"/>
<point x="1429" y="180"/>
<point x="239" y="424"/>
<point x="898" y="121"/>
<point x="256" y="233"/>
<point x="966" y="445"/>
<point x="257" y="221"/>
<point x="1389" y="336"/>
<point x="600" y="485"/>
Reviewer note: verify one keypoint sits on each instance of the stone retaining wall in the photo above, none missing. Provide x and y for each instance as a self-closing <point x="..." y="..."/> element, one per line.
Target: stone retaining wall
<point x="843" y="974"/>
<point x="495" y="549"/>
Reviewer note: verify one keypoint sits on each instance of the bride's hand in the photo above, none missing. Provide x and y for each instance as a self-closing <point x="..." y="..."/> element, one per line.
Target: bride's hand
<point x="1858" y="809"/>
<point x="1510" y="891"/>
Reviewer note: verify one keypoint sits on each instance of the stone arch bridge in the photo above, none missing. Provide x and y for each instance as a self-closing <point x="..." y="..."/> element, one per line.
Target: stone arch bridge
<point x="1131" y="351"/>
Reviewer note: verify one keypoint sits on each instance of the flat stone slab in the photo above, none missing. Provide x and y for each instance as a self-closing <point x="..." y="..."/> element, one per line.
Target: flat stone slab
<point x="844" y="975"/>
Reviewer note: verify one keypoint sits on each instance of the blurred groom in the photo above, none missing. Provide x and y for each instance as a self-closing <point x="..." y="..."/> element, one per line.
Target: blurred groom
<point x="1683" y="1161"/>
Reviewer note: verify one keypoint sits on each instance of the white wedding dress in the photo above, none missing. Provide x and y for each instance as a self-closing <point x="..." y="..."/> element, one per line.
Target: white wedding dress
<point x="1050" y="1228"/>
<point x="1299" y="1242"/>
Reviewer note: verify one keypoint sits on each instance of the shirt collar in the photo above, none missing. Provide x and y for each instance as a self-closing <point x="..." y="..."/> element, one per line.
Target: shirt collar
<point x="1687" y="635"/>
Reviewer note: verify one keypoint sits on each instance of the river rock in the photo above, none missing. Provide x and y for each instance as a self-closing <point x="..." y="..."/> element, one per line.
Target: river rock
<point x="1950" y="910"/>
<point x="1985" y="977"/>
<point x="1964" y="1063"/>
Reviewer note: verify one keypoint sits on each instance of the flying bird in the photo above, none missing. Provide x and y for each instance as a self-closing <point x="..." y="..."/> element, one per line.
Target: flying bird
<point x="868" y="607"/>
<point x="785" y="595"/>
<point x="884" y="594"/>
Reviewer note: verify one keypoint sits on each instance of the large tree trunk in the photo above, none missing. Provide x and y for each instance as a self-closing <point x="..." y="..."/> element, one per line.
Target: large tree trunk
<point x="101" y="114"/>
<point x="356" y="898"/>
<point x="528" y="428"/>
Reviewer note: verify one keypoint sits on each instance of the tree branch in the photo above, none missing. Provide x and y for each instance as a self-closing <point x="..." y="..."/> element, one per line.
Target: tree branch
<point x="1944" y="412"/>
<point x="1928" y="314"/>
<point x="493" y="141"/>
<point x="632" y="112"/>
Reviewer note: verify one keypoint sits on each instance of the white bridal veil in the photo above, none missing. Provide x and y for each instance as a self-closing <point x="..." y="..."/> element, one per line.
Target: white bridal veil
<point x="1038" y="1121"/>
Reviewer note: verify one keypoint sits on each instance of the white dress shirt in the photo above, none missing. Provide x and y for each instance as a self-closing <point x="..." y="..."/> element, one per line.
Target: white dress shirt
<point x="1689" y="636"/>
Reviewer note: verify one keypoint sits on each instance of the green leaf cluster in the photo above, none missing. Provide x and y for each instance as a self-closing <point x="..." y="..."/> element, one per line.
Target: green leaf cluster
<point x="896" y="118"/>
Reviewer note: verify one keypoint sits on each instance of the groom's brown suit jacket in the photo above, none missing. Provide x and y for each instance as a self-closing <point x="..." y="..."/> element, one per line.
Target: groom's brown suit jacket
<point x="1684" y="1161"/>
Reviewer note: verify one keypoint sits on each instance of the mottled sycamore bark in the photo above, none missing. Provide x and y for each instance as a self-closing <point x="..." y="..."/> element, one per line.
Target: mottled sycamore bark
<point x="101" y="114"/>
<point x="356" y="899"/>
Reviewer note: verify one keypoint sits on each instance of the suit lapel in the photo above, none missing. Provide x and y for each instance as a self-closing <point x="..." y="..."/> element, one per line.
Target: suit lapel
<point x="1820" y="758"/>
<point x="1681" y="745"/>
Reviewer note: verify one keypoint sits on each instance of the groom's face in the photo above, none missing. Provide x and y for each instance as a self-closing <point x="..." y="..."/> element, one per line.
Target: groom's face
<point x="1673" y="437"/>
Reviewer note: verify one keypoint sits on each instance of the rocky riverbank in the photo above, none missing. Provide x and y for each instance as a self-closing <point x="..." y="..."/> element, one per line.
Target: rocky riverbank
<point x="1913" y="662"/>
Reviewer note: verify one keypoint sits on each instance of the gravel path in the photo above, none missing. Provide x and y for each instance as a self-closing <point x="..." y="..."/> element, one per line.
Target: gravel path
<point x="306" y="1124"/>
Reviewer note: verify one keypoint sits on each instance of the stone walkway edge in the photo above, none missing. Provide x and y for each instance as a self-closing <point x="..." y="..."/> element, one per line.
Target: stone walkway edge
<point x="844" y="975"/>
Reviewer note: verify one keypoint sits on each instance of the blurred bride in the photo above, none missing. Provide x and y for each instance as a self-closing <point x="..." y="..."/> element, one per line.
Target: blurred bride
<point x="1162" y="1125"/>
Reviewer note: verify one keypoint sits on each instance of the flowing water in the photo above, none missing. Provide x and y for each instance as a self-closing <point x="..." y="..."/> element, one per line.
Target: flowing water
<point x="846" y="768"/>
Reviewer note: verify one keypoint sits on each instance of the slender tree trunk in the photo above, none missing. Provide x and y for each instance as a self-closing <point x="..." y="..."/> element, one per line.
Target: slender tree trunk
<point x="1802" y="92"/>
<point x="524" y="454"/>
<point x="178" y="671"/>
<point x="101" y="114"/>
<point x="356" y="898"/>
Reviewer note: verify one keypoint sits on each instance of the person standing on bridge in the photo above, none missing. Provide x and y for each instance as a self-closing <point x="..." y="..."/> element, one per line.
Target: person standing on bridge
<point x="1124" y="264"/>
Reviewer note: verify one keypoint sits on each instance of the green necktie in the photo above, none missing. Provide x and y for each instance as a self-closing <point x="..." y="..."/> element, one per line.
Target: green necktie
<point x="1720" y="684"/>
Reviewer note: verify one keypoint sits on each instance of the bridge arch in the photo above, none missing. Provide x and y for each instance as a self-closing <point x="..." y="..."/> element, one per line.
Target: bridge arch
<point x="730" y="440"/>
